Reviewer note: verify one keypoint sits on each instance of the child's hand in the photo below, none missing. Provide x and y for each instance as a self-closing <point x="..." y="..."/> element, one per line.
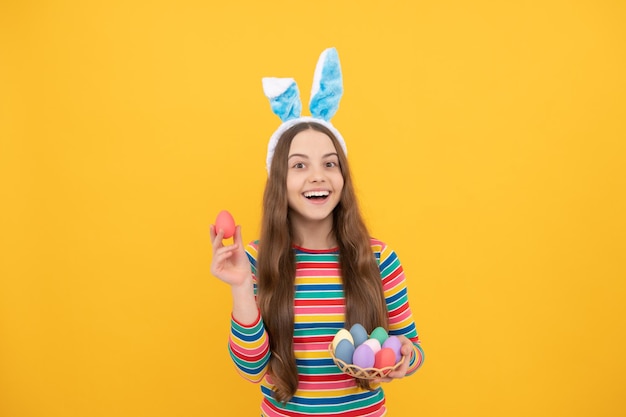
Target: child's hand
<point x="230" y="263"/>
<point x="407" y="351"/>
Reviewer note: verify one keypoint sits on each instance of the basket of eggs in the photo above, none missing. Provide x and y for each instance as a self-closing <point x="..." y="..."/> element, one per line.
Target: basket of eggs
<point x="366" y="356"/>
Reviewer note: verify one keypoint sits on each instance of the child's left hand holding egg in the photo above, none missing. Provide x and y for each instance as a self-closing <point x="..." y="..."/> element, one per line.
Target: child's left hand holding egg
<point x="229" y="263"/>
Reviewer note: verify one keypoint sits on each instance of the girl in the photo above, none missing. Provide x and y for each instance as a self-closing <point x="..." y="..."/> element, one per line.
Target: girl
<point x="314" y="270"/>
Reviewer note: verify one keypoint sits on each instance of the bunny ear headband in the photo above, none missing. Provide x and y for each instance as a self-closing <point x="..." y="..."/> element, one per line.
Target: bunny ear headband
<point x="325" y="95"/>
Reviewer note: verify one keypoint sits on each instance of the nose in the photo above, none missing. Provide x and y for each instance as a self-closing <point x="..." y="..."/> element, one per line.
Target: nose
<point x="316" y="175"/>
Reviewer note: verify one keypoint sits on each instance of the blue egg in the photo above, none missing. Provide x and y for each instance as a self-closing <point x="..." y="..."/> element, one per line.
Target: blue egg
<point x="359" y="334"/>
<point x="344" y="351"/>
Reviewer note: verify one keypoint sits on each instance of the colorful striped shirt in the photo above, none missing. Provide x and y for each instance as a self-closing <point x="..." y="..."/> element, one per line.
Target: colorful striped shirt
<point x="319" y="312"/>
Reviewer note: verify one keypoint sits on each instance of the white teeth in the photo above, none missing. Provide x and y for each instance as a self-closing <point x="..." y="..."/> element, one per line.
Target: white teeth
<point x="309" y="194"/>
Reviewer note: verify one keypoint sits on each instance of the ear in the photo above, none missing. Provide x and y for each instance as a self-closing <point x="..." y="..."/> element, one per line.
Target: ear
<point x="327" y="86"/>
<point x="284" y="97"/>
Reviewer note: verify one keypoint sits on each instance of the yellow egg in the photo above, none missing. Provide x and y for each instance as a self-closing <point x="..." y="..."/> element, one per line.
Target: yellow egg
<point x="341" y="335"/>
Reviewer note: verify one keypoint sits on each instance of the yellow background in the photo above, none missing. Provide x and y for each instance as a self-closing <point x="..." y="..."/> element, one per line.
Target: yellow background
<point x="487" y="143"/>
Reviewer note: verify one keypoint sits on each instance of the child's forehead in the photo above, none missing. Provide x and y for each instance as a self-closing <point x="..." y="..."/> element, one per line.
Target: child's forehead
<point x="311" y="142"/>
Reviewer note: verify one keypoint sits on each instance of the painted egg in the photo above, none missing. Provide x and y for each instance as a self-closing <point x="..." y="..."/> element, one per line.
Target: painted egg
<point x="344" y="351"/>
<point x="374" y="344"/>
<point x="380" y="334"/>
<point x="341" y="335"/>
<point x="225" y="222"/>
<point x="364" y="356"/>
<point x="384" y="358"/>
<point x="394" y="343"/>
<point x="359" y="334"/>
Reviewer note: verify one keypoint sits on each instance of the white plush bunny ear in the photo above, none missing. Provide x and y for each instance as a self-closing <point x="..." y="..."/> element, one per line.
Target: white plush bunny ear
<point x="284" y="97"/>
<point x="325" y="95"/>
<point x="327" y="86"/>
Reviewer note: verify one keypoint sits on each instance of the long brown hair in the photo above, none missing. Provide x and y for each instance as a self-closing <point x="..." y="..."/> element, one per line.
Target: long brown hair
<point x="276" y="267"/>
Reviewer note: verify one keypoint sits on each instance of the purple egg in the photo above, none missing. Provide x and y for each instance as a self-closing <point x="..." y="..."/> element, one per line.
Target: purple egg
<point x="364" y="356"/>
<point x="394" y="343"/>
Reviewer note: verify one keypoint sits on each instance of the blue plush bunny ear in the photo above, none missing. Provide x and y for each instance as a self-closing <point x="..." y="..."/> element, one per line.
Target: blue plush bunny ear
<point x="327" y="86"/>
<point x="284" y="97"/>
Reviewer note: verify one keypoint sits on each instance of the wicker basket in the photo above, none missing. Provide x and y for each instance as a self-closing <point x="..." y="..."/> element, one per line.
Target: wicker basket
<point x="362" y="373"/>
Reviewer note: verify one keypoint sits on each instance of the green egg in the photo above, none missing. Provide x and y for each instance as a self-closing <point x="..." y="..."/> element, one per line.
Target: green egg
<point x="379" y="334"/>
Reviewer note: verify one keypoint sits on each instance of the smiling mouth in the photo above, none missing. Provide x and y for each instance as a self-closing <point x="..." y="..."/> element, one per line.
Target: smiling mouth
<point x="316" y="195"/>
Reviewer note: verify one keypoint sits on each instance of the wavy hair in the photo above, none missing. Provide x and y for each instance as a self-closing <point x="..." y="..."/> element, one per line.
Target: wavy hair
<point x="276" y="267"/>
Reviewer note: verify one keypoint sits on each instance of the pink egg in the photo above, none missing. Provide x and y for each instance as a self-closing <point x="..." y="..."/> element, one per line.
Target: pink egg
<point x="384" y="358"/>
<point x="225" y="222"/>
<point x="394" y="343"/>
<point x="373" y="344"/>
<point x="363" y="356"/>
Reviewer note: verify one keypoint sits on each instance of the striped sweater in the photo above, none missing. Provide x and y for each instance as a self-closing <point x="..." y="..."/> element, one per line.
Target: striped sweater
<point x="319" y="309"/>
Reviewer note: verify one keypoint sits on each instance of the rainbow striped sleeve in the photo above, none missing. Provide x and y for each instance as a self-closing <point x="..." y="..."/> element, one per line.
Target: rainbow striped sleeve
<point x="248" y="343"/>
<point x="395" y="289"/>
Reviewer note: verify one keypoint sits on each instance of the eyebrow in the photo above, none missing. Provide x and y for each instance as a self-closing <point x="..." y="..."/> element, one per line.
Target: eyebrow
<point x="301" y="155"/>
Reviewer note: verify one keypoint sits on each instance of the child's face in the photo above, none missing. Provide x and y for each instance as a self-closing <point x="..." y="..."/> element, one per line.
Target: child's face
<point x="314" y="179"/>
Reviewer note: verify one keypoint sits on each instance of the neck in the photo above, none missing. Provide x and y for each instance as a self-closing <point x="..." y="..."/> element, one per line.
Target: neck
<point x="316" y="234"/>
